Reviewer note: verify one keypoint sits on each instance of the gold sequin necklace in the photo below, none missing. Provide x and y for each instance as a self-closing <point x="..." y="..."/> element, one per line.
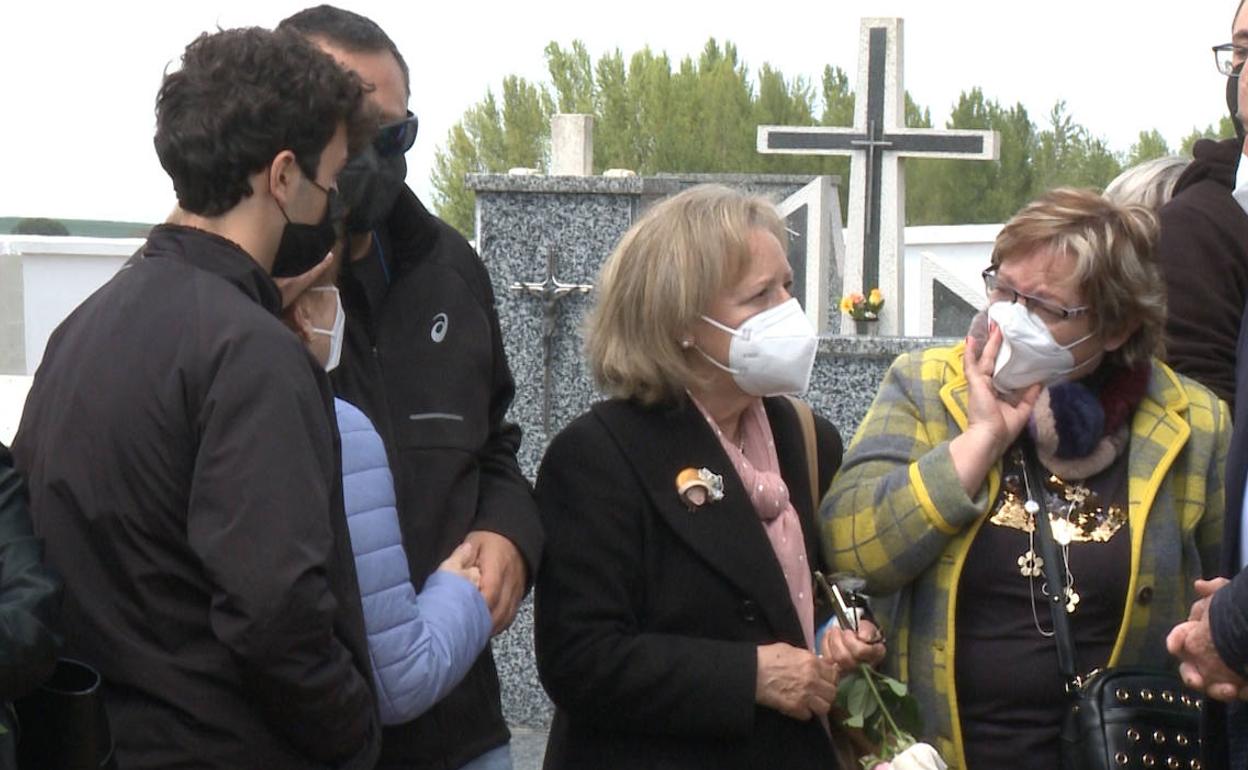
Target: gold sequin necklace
<point x="1075" y="516"/>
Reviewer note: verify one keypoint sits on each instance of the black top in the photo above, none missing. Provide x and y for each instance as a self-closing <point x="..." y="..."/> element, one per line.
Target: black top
<point x="426" y="364"/>
<point x="648" y="615"/>
<point x="180" y="447"/>
<point x="1010" y="689"/>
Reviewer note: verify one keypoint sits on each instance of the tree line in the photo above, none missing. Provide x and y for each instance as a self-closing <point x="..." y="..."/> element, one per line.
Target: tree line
<point x="700" y="116"/>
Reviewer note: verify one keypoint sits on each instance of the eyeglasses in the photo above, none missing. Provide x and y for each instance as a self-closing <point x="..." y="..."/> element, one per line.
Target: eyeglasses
<point x="1049" y="311"/>
<point x="398" y="137"/>
<point x="1229" y="58"/>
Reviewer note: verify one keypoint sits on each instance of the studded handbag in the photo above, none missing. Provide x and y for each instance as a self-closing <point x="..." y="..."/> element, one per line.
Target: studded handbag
<point x="1121" y="717"/>
<point x="1132" y="718"/>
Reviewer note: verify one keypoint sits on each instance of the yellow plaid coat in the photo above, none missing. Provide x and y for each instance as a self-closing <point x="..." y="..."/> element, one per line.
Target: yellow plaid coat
<point x="897" y="515"/>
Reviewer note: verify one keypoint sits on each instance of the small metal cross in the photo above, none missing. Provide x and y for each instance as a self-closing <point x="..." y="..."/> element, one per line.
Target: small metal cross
<point x="549" y="291"/>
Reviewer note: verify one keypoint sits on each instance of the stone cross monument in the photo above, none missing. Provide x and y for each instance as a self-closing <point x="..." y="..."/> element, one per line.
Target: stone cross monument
<point x="876" y="143"/>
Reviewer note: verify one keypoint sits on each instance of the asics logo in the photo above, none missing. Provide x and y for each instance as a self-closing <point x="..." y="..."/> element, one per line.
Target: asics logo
<point x="438" y="332"/>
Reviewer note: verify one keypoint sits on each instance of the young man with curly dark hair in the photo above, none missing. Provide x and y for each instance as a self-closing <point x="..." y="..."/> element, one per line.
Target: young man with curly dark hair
<point x="424" y="359"/>
<point x="180" y="446"/>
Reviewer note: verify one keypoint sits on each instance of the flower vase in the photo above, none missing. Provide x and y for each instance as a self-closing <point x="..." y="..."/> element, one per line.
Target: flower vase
<point x="867" y="328"/>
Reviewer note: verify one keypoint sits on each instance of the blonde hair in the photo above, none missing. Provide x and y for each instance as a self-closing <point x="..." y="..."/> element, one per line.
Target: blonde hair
<point x="1115" y="261"/>
<point x="658" y="282"/>
<point x="1149" y="184"/>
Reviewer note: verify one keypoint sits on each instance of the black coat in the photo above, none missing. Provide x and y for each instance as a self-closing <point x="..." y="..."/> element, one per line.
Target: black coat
<point x="1203" y="250"/>
<point x="649" y="615"/>
<point x="1228" y="612"/>
<point x="29" y="600"/>
<point x="426" y="364"/>
<point x="180" y="448"/>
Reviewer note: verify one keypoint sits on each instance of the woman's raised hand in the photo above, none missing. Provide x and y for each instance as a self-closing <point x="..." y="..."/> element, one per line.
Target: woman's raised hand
<point x="992" y="421"/>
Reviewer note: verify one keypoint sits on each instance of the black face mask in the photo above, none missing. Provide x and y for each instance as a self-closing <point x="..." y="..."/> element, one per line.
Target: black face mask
<point x="370" y="184"/>
<point x="303" y="246"/>
<point x="1232" y="101"/>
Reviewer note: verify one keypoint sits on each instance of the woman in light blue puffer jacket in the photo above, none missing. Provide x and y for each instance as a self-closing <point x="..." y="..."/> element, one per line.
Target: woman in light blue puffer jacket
<point x="420" y="644"/>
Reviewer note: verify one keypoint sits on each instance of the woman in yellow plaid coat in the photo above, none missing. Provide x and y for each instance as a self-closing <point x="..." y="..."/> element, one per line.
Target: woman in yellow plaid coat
<point x="928" y="506"/>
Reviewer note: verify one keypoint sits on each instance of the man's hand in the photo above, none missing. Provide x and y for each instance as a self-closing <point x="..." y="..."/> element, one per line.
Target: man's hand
<point x="1200" y="665"/>
<point x="1205" y="589"/>
<point x="503" y="576"/>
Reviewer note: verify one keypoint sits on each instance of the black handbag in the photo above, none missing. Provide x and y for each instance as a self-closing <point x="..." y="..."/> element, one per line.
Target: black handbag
<point x="1122" y="717"/>
<point x="62" y="725"/>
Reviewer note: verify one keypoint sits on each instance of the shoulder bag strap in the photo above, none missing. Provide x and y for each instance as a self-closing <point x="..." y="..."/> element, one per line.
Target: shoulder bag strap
<point x="1066" y="657"/>
<point x="806" y="418"/>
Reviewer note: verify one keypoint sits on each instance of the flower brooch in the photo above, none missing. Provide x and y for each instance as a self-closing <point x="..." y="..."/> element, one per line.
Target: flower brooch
<point x="698" y="486"/>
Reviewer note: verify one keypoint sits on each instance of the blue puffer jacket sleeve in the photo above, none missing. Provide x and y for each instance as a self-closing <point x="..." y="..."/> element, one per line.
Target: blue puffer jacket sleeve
<point x="422" y="644"/>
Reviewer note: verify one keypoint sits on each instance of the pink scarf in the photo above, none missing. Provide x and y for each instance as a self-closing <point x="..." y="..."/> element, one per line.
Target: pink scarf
<point x="758" y="467"/>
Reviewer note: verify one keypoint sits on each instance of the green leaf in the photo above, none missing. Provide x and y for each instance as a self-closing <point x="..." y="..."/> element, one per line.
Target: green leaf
<point x="870" y="707"/>
<point x="859" y="697"/>
<point x="854" y="720"/>
<point x="843" y="690"/>
<point x="899" y="688"/>
<point x="908" y="716"/>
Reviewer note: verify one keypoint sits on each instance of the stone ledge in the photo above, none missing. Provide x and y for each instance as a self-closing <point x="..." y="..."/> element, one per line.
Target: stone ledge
<point x="877" y="347"/>
<point x="662" y="184"/>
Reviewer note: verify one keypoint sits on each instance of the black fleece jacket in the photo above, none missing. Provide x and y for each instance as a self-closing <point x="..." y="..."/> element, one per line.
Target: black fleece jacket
<point x="1203" y="250"/>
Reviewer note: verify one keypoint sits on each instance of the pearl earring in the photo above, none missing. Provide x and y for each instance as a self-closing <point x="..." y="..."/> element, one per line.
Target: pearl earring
<point x="686" y="344"/>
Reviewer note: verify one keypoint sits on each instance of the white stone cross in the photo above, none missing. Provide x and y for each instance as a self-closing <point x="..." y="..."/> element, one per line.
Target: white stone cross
<point x="876" y="144"/>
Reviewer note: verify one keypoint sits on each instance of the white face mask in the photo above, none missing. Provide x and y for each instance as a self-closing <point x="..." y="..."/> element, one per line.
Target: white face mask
<point x="1028" y="354"/>
<point x="335" y="334"/>
<point x="771" y="353"/>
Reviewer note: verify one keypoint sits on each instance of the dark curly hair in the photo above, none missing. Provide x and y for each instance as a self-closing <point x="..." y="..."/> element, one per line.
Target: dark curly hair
<point x="241" y="97"/>
<point x="347" y="30"/>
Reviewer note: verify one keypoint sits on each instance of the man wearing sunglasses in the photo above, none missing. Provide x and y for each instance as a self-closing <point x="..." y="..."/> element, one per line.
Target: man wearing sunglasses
<point x="1203" y="246"/>
<point x="424" y="360"/>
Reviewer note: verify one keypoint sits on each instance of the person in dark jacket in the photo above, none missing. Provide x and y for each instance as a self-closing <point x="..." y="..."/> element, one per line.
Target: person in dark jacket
<point x="675" y="609"/>
<point x="424" y="360"/>
<point x="1212" y="644"/>
<point x="179" y="441"/>
<point x="1203" y="248"/>
<point x="29" y="598"/>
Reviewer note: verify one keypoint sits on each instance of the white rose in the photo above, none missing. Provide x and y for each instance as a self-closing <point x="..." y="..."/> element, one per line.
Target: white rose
<point x="920" y="756"/>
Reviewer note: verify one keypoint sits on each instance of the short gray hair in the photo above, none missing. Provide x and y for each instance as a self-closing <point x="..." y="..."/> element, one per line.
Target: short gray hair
<point x="1149" y="184"/>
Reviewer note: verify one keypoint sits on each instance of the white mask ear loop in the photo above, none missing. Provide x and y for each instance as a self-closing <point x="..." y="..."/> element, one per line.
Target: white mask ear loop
<point x="704" y="354"/>
<point x="1077" y="342"/>
<point x="721" y="327"/>
<point x="1098" y="357"/>
<point x="713" y="362"/>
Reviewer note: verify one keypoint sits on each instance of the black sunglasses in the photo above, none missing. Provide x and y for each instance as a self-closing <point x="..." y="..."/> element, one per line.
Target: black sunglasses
<point x="398" y="137"/>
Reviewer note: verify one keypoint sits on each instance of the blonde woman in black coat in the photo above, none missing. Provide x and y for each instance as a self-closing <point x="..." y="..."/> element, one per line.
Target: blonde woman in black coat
<point x="675" y="608"/>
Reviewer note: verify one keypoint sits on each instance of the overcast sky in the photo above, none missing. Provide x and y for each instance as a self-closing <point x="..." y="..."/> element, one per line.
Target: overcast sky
<point x="79" y="79"/>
